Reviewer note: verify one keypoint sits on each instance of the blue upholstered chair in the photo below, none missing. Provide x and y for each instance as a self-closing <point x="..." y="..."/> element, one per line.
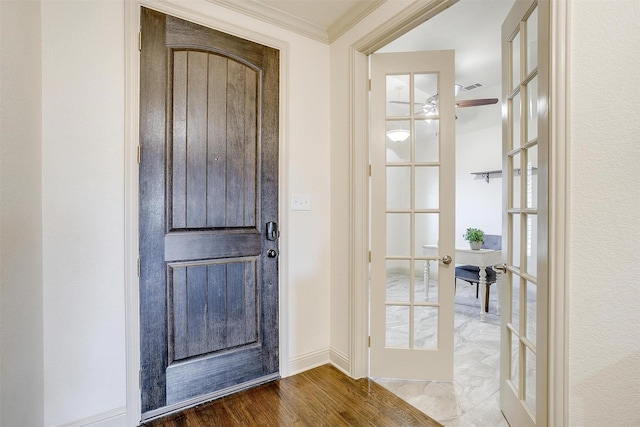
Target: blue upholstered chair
<point x="471" y="273"/>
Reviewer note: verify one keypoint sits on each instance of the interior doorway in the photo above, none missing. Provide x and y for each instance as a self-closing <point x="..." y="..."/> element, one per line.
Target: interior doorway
<point x="527" y="59"/>
<point x="474" y="393"/>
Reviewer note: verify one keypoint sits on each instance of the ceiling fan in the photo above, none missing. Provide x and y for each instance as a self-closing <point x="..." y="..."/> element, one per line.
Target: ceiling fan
<point x="430" y="106"/>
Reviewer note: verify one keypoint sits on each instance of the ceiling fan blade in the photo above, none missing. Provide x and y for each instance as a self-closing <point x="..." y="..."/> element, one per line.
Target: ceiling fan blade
<point x="476" y="102"/>
<point x="404" y="102"/>
<point x="430" y="100"/>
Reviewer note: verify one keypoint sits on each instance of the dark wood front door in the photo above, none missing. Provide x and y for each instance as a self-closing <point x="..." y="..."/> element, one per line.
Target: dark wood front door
<point x="208" y="188"/>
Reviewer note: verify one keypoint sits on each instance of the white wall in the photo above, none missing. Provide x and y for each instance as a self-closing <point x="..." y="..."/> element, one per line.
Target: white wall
<point x="21" y="352"/>
<point x="478" y="148"/>
<point x="604" y="347"/>
<point x="83" y="205"/>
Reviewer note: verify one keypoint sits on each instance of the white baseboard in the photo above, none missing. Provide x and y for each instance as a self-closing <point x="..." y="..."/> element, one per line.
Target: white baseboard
<point x="339" y="360"/>
<point x="114" y="418"/>
<point x="313" y="359"/>
<point x="307" y="361"/>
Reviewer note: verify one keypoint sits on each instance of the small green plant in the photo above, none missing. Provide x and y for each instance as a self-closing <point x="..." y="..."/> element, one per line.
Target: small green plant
<point x="474" y="235"/>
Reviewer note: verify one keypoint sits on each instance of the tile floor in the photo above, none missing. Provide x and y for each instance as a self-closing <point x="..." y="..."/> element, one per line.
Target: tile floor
<point x="472" y="399"/>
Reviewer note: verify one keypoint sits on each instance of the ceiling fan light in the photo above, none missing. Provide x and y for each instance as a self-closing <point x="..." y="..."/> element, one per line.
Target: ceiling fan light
<point x="430" y="109"/>
<point x="398" y="135"/>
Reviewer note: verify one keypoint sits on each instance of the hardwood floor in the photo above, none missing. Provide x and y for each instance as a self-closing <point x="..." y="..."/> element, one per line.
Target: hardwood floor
<point x="323" y="396"/>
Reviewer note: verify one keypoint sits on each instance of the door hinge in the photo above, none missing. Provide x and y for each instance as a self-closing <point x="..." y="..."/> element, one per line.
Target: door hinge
<point x="139" y="153"/>
<point x="369" y="256"/>
<point x="138" y="266"/>
<point x="369" y="85"/>
<point x="369" y="341"/>
<point x="369" y="170"/>
<point x="140" y="41"/>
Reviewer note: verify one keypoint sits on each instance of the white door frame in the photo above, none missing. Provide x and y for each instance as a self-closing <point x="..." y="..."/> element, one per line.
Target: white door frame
<point x="406" y="20"/>
<point x="132" y="105"/>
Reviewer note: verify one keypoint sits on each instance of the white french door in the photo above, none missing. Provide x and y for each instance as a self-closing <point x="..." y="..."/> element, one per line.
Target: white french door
<point x="523" y="378"/>
<point x="412" y="215"/>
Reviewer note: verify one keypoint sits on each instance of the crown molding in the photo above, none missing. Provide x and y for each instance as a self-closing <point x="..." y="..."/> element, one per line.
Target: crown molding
<point x="288" y="21"/>
<point x="351" y="18"/>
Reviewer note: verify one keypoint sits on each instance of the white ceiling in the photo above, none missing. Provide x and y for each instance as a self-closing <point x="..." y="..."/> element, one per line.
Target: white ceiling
<point x="322" y="20"/>
<point x="470" y="27"/>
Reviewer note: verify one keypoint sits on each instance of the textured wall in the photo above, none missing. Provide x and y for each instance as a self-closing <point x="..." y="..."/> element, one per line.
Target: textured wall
<point x="604" y="351"/>
<point x="83" y="205"/>
<point x="21" y="353"/>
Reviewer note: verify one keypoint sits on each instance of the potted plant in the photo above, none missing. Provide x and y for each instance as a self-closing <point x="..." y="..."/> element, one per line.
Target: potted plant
<point x="475" y="237"/>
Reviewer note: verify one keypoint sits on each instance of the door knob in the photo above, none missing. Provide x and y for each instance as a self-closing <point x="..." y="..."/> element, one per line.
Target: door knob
<point x="272" y="253"/>
<point x="501" y="268"/>
<point x="446" y="260"/>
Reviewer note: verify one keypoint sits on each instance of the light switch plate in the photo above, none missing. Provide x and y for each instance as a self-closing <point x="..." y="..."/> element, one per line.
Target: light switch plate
<point x="300" y="202"/>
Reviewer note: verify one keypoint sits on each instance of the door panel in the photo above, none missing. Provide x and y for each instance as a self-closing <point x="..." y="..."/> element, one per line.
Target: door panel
<point x="211" y="131"/>
<point x="523" y="382"/>
<point x="208" y="185"/>
<point x="206" y="316"/>
<point x="412" y="211"/>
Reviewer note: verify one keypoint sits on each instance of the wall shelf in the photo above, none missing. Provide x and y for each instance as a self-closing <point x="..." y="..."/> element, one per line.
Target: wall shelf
<point x="487" y="174"/>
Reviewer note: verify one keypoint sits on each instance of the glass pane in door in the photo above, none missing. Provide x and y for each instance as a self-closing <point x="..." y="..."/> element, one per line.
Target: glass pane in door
<point x="425" y="94"/>
<point x="532" y="109"/>
<point x="514" y="371"/>
<point x="426" y="140"/>
<point x="397" y="331"/>
<point x="426" y="280"/>
<point x="516" y="238"/>
<point x="515" y="61"/>
<point x="516" y="117"/>
<point x="532" y="41"/>
<point x="398" y="187"/>
<point x="531" y="175"/>
<point x="531" y="244"/>
<point x="532" y="309"/>
<point x="399" y="224"/>
<point x="427" y="226"/>
<point x="516" y="186"/>
<point x="398" y="137"/>
<point x="427" y="187"/>
<point x="515" y="302"/>
<point x="530" y="379"/>
<point x="398" y="95"/>
<point x="398" y="284"/>
<point x="426" y="327"/>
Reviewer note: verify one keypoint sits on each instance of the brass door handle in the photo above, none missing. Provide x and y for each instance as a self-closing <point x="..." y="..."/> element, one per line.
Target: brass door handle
<point x="446" y="260"/>
<point x="501" y="268"/>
